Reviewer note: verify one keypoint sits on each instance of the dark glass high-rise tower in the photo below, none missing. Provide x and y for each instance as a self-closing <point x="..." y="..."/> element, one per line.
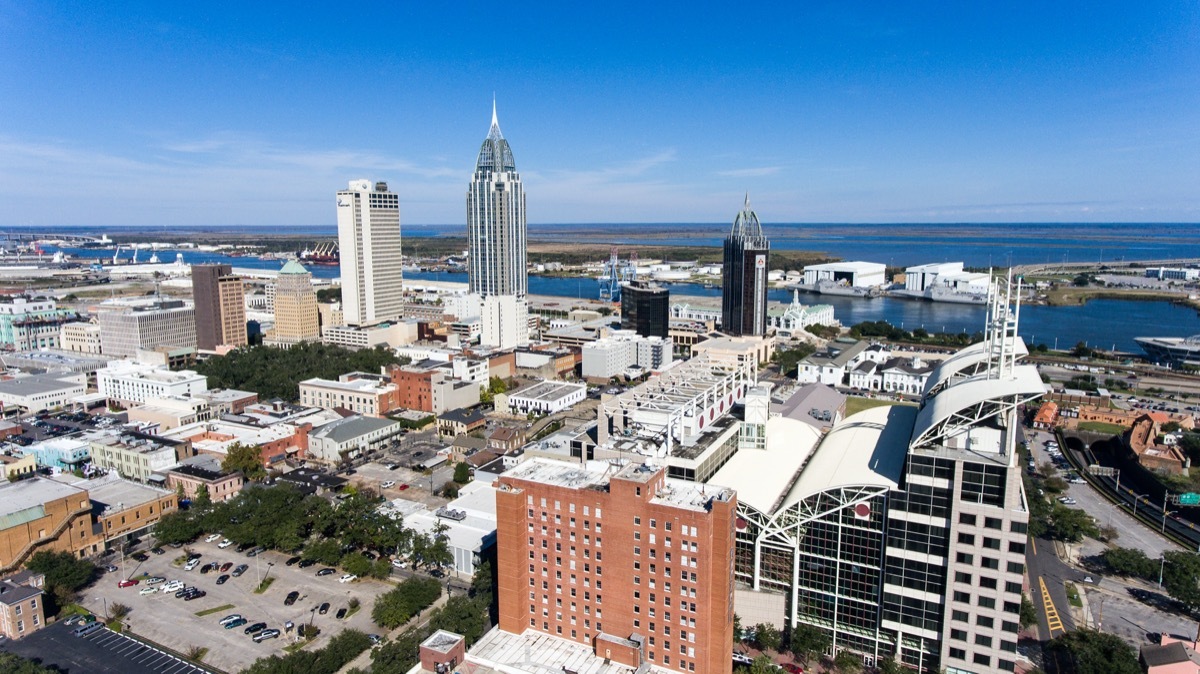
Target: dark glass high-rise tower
<point x="646" y="308"/>
<point x="744" y="276"/>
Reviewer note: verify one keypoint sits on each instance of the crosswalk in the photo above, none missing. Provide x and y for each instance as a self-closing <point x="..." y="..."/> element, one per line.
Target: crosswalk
<point x="1052" y="620"/>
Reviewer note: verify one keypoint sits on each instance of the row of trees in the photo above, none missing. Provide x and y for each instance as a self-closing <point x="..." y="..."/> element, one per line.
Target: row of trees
<point x="890" y="332"/>
<point x="275" y="372"/>
<point x="398" y="605"/>
<point x="1180" y="571"/>
<point x="468" y="615"/>
<point x="340" y="650"/>
<point x="282" y="518"/>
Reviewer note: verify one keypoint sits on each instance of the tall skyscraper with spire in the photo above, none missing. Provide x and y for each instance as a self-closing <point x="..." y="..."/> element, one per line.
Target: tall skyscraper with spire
<point x="368" y="218"/>
<point x="496" y="243"/>
<point x="744" y="276"/>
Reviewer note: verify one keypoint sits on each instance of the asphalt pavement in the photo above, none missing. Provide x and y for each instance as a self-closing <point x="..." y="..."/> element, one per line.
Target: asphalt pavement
<point x="101" y="652"/>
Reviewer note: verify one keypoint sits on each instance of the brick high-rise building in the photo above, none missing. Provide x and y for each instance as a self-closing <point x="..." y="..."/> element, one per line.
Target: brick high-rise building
<point x="626" y="560"/>
<point x="220" y="298"/>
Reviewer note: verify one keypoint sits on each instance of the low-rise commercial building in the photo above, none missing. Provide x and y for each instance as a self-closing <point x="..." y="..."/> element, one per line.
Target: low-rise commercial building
<point x="37" y="393"/>
<point x="123" y="508"/>
<point x="32" y="323"/>
<point x="470" y="525"/>
<point x="543" y="398"/>
<point x="351" y="438"/>
<point x="755" y="349"/>
<point x="367" y="337"/>
<point x="203" y="470"/>
<point x="42" y="514"/>
<point x="275" y="442"/>
<point x="65" y="453"/>
<point x="358" y="392"/>
<point x="80" y="337"/>
<point x="459" y="421"/>
<point x="163" y="414"/>
<point x="129" y="382"/>
<point x="136" y="456"/>
<point x="13" y="467"/>
<point x="21" y="604"/>
<point x="430" y="386"/>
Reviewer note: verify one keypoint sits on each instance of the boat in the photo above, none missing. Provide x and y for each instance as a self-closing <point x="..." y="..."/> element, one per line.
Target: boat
<point x="947" y="294"/>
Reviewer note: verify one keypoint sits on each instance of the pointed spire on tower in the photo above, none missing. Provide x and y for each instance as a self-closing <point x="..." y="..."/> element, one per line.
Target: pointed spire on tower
<point x="494" y="132"/>
<point x="747" y="199"/>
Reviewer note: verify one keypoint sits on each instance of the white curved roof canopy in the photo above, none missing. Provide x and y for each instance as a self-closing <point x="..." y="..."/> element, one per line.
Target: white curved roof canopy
<point x="760" y="477"/>
<point x="966" y="360"/>
<point x="866" y="449"/>
<point x="1025" y="384"/>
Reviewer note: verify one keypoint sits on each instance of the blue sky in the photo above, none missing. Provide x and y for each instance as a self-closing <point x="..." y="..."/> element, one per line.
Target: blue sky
<point x="156" y="114"/>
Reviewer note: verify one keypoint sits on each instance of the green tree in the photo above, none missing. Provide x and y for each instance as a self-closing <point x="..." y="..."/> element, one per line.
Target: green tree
<point x="11" y="663"/>
<point x="463" y="615"/>
<point x="246" y="458"/>
<point x="381" y="568"/>
<point x="807" y="642"/>
<point x="202" y="500"/>
<point x="1130" y="562"/>
<point x="65" y="574"/>
<point x="356" y="564"/>
<point x="763" y="664"/>
<point x="326" y="551"/>
<point x="847" y="662"/>
<point x="890" y="666"/>
<point x="767" y="637"/>
<point x="179" y="526"/>
<point x="1028" y="612"/>
<point x="1091" y="652"/>
<point x="462" y="472"/>
<point x="397" y="606"/>
<point x="1181" y="575"/>
<point x="1071" y="524"/>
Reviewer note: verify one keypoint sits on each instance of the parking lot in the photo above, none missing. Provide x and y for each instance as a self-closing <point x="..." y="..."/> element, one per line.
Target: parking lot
<point x="101" y="652"/>
<point x="165" y="619"/>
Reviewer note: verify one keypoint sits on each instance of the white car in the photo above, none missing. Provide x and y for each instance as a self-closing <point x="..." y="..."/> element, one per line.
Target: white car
<point x="211" y="538"/>
<point x="155" y="580"/>
<point x="389" y="484"/>
<point x="148" y="590"/>
<point x="399" y="563"/>
<point x="347" y="578"/>
<point x="192" y="564"/>
<point x="173" y="586"/>
<point x="225" y="543"/>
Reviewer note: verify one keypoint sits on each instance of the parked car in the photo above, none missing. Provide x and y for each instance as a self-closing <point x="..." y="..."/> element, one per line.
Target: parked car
<point x="225" y="543"/>
<point x="229" y="618"/>
<point x="389" y="484"/>
<point x="222" y="579"/>
<point x="128" y="582"/>
<point x="110" y="568"/>
<point x="155" y="580"/>
<point x="402" y="487"/>
<point x="195" y="595"/>
<point x="256" y="551"/>
<point x="172" y="586"/>
<point x="341" y="613"/>
<point x="157" y="550"/>
<point x="346" y="578"/>
<point x="399" y="563"/>
<point x="792" y="668"/>
<point x="239" y="570"/>
<point x="141" y="556"/>
<point x="256" y="627"/>
<point x="236" y="622"/>
<point x="191" y="565"/>
<point x="147" y="590"/>
<point x="292" y="561"/>
<point x="212" y="537"/>
<point x="226" y="566"/>
<point x="291" y="598"/>
<point x="325" y="572"/>
<point x="323" y="609"/>
<point x="265" y="634"/>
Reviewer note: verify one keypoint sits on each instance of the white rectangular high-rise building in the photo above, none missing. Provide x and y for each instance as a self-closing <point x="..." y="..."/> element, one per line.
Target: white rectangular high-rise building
<point x="368" y="218"/>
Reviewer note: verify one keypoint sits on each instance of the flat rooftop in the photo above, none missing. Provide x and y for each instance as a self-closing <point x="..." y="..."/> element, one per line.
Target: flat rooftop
<point x="548" y="391"/>
<point x="534" y="652"/>
<point x="23" y="494"/>
<point x="37" y="384"/>
<point x="112" y="493"/>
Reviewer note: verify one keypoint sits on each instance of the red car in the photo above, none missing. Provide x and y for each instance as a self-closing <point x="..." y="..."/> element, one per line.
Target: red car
<point x="226" y="566"/>
<point x="402" y="487"/>
<point x="793" y="668"/>
<point x="128" y="582"/>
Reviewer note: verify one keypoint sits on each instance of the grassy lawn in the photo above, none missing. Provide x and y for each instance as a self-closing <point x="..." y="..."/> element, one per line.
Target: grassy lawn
<point x="214" y="610"/>
<point x="1101" y="427"/>
<point x="855" y="404"/>
<point x="1073" y="595"/>
<point x="262" y="587"/>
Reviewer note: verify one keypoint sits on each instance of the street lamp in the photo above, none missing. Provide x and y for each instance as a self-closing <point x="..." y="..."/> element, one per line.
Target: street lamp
<point x="105" y="600"/>
<point x="1161" y="567"/>
<point x="1164" y="518"/>
<point x="1137" y="498"/>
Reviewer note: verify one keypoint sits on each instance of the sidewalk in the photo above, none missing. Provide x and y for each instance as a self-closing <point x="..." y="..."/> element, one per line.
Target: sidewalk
<point x="363" y="661"/>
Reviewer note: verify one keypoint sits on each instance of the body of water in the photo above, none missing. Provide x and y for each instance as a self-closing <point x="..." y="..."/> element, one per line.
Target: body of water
<point x="1100" y="323"/>
<point x="902" y="245"/>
